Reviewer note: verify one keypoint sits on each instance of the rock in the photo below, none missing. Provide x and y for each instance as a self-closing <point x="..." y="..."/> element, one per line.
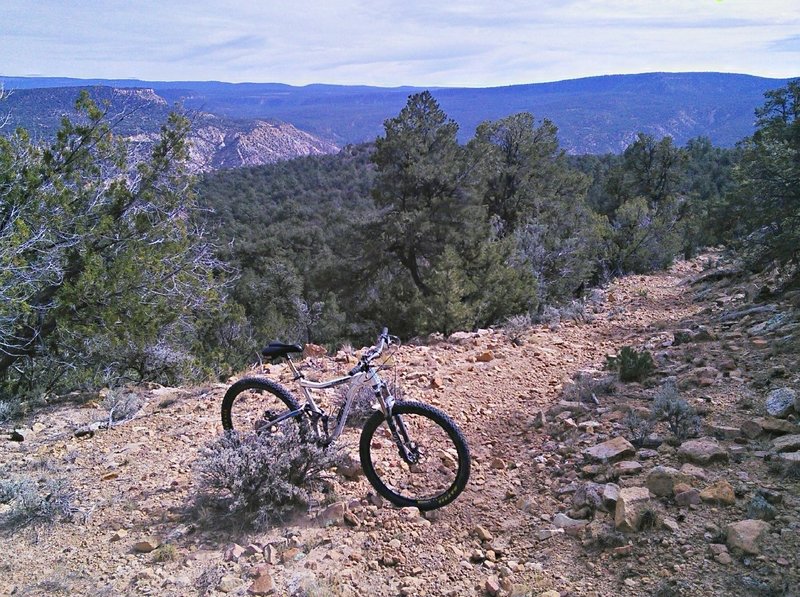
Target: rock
<point x="746" y="535"/>
<point x="262" y="585"/>
<point x="702" y="451"/>
<point x="492" y="586"/>
<point x="750" y="429"/>
<point x="610" y="496"/>
<point x="485" y="356"/>
<point x="627" y="467"/>
<point x="482" y="533"/>
<point x="661" y="480"/>
<point x="781" y="402"/>
<point x="687" y="498"/>
<point x="610" y="450"/>
<point x="778" y="426"/>
<point x="228" y="584"/>
<point x="234" y="552"/>
<point x="146" y="545"/>
<point x="562" y="521"/>
<point x="332" y="515"/>
<point x="349" y="467"/>
<point x="760" y="509"/>
<point x="631" y="503"/>
<point x="544" y="534"/>
<point x="790" y="457"/>
<point x="787" y="443"/>
<point x="119" y="535"/>
<point x="314" y="351"/>
<point x="720" y="492"/>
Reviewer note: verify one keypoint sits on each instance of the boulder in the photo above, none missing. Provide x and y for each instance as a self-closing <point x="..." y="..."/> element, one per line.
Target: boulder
<point x="781" y="402"/>
<point x="702" y="451"/>
<point x="613" y="449"/>
<point x="688" y="497"/>
<point x="787" y="443"/>
<point x="661" y="480"/>
<point x="720" y="492"/>
<point x="631" y="503"/>
<point x="778" y="426"/>
<point x="746" y="535"/>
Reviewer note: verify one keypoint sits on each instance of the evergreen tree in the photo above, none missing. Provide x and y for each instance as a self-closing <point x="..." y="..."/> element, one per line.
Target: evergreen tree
<point x="766" y="203"/>
<point x="102" y="271"/>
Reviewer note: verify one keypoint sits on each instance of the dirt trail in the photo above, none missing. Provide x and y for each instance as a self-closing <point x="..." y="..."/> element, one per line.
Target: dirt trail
<point x="135" y="482"/>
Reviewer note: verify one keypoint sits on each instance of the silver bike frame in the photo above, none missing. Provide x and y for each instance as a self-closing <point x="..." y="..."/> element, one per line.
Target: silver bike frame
<point x="357" y="381"/>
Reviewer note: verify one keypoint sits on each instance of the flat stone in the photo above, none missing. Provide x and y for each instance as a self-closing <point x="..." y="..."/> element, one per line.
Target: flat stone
<point x="750" y="429"/>
<point x="630" y="504"/>
<point x="790" y="457"/>
<point x="332" y="515"/>
<point x="725" y="431"/>
<point x="612" y="449"/>
<point x="562" y="521"/>
<point x="781" y="402"/>
<point x="485" y="356"/>
<point x="787" y="443"/>
<point x="544" y="534"/>
<point x="777" y="426"/>
<point x="628" y="467"/>
<point x="262" y="585"/>
<point x="661" y="480"/>
<point x="702" y="451"/>
<point x="146" y="545"/>
<point x="694" y="471"/>
<point x="688" y="497"/>
<point x="482" y="533"/>
<point x="720" y="492"/>
<point x="229" y="584"/>
<point x="746" y="535"/>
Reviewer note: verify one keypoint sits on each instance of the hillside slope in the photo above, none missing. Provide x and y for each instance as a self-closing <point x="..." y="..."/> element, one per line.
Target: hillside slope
<point x="524" y="525"/>
<point x="138" y="113"/>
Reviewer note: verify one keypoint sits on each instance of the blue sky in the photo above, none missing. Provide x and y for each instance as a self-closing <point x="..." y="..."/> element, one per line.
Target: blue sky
<point x="389" y="43"/>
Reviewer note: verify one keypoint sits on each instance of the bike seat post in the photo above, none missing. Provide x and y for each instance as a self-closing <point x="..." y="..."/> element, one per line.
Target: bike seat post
<point x="295" y="372"/>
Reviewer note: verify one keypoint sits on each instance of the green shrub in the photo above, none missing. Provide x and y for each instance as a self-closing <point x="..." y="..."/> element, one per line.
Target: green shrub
<point x="631" y="364"/>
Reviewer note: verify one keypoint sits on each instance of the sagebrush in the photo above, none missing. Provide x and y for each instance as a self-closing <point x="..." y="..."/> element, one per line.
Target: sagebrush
<point x="262" y="479"/>
<point x="668" y="406"/>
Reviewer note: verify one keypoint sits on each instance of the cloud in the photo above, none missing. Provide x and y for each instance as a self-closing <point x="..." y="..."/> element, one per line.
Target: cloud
<point x="384" y="42"/>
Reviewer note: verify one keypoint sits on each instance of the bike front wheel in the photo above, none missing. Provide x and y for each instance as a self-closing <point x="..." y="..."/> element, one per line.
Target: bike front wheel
<point x="417" y="457"/>
<point x="257" y="404"/>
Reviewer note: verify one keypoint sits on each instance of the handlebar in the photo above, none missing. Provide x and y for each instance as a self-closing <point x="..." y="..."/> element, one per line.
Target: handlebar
<point x="372" y="353"/>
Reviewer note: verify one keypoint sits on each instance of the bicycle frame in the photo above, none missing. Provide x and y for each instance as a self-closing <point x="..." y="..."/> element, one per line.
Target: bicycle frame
<point x="359" y="380"/>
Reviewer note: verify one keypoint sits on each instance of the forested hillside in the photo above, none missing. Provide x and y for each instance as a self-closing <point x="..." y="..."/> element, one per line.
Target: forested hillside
<point x="116" y="267"/>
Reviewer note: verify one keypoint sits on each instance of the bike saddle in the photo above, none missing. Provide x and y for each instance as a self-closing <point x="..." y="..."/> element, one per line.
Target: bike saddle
<point x="276" y="350"/>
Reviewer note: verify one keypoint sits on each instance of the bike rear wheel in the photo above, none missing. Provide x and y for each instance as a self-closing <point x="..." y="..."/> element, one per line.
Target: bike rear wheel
<point x="255" y="404"/>
<point x="418" y="457"/>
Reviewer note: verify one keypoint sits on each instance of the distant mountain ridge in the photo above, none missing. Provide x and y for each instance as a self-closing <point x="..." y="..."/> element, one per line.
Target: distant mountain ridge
<point x="594" y="115"/>
<point x="214" y="141"/>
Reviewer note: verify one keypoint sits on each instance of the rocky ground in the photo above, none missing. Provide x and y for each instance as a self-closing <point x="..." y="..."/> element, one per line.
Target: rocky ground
<point x="560" y="501"/>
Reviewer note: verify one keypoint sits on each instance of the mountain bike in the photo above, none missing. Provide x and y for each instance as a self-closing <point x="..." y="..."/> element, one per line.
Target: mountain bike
<point x="412" y="453"/>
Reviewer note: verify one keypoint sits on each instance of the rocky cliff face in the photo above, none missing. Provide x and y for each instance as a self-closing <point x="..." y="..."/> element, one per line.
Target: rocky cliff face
<point x="214" y="146"/>
<point x="214" y="142"/>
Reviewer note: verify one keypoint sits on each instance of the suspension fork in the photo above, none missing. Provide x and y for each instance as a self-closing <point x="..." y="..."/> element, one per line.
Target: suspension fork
<point x="407" y="448"/>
